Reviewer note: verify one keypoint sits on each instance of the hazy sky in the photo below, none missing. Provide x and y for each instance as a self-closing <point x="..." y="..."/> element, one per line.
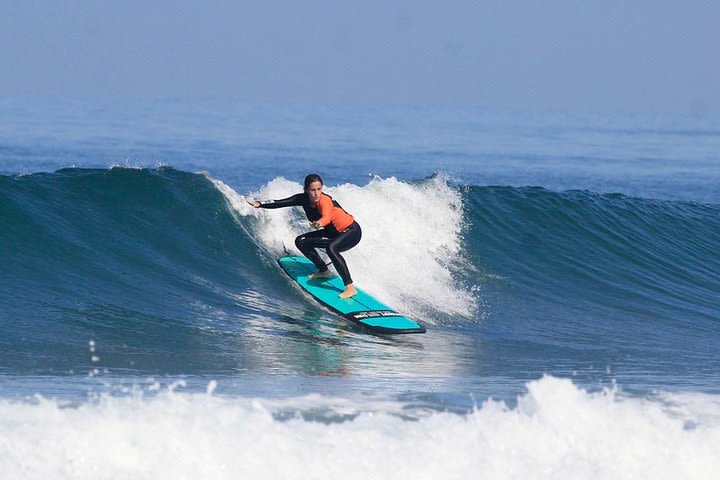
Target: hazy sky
<point x="576" y="54"/>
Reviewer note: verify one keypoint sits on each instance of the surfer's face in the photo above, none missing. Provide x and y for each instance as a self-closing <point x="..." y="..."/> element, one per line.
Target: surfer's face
<point x="314" y="190"/>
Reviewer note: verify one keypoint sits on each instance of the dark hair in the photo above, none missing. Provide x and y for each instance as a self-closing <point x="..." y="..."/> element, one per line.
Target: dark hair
<point x="313" y="177"/>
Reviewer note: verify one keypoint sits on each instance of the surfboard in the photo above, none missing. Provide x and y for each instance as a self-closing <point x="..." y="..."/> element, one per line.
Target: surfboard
<point x="362" y="309"/>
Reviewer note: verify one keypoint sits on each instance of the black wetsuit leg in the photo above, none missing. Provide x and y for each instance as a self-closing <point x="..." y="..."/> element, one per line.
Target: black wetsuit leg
<point x="308" y="242"/>
<point x="333" y="243"/>
<point x="346" y="240"/>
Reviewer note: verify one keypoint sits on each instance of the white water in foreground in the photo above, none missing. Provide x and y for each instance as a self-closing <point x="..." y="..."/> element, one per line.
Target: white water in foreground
<point x="556" y="431"/>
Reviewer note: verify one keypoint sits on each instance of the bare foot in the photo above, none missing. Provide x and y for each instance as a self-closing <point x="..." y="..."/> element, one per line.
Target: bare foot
<point x="350" y="291"/>
<point x="325" y="274"/>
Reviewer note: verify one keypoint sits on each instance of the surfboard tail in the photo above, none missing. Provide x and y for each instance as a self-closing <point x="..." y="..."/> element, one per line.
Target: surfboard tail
<point x="361" y="309"/>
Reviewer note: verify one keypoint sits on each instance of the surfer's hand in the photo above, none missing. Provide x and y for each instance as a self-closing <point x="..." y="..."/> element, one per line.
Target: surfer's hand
<point x="316" y="225"/>
<point x="253" y="204"/>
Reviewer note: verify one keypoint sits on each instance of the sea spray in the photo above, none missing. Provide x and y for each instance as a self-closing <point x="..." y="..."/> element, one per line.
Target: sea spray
<point x="412" y="242"/>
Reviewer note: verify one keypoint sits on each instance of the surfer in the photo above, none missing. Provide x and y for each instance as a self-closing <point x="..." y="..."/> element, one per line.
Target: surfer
<point x="337" y="231"/>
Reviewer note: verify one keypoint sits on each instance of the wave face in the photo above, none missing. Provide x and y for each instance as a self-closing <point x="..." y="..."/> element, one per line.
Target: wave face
<point x="164" y="271"/>
<point x="149" y="261"/>
<point x="623" y="257"/>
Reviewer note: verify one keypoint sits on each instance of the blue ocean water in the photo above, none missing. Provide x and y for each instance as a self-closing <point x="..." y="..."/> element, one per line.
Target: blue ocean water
<point x="565" y="266"/>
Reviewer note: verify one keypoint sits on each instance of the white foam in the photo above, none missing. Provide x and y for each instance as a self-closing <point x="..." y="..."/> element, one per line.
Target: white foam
<point x="411" y="244"/>
<point x="556" y="431"/>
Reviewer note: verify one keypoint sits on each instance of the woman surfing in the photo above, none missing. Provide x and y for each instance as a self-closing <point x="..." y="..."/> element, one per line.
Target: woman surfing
<point x="337" y="230"/>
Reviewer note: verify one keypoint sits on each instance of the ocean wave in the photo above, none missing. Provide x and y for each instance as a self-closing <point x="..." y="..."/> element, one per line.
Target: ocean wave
<point x="171" y="271"/>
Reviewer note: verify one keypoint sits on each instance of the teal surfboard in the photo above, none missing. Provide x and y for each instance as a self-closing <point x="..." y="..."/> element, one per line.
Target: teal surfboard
<point x="362" y="308"/>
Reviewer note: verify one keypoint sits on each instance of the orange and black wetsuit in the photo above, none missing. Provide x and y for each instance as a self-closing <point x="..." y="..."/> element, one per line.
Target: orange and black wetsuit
<point x="340" y="231"/>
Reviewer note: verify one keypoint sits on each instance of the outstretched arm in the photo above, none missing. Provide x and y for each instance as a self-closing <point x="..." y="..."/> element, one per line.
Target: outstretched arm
<point x="293" y="201"/>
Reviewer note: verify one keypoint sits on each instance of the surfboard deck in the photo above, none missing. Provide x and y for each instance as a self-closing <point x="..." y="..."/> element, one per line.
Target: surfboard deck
<point x="361" y="309"/>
